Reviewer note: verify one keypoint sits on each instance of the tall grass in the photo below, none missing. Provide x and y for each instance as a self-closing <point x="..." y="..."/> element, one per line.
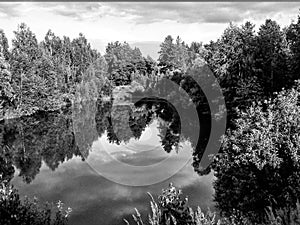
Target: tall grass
<point x="172" y="209"/>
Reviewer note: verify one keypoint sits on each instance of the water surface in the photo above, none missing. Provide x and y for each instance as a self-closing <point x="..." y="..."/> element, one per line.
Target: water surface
<point x="59" y="156"/>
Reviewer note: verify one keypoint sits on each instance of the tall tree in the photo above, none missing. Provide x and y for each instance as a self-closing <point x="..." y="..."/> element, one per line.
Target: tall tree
<point x="181" y="54"/>
<point x="4" y="45"/>
<point x="82" y="56"/>
<point x="293" y="39"/>
<point x="167" y="52"/>
<point x="196" y="47"/>
<point x="271" y="58"/>
<point x="52" y="61"/>
<point x="66" y="63"/>
<point x="123" y="62"/>
<point x="25" y="51"/>
<point x="52" y="44"/>
<point x="232" y="60"/>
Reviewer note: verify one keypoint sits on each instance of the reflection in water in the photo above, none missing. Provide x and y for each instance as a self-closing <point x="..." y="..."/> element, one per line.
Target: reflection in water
<point x="44" y="157"/>
<point x="95" y="199"/>
<point x="147" y="147"/>
<point x="27" y="141"/>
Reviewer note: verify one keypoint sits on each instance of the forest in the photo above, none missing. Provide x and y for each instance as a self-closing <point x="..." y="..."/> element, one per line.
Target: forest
<point x="43" y="76"/>
<point x="257" y="169"/>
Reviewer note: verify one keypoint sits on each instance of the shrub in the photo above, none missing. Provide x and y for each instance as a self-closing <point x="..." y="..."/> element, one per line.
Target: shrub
<point x="15" y="211"/>
<point x="171" y="209"/>
<point x="258" y="165"/>
<point x="284" y="216"/>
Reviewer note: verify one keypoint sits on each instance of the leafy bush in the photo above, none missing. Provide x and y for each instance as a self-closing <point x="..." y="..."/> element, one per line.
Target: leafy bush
<point x="171" y="209"/>
<point x="285" y="216"/>
<point x="15" y="211"/>
<point x="259" y="164"/>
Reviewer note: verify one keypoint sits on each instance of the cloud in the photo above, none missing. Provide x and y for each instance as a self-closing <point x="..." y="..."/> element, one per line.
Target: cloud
<point x="10" y="9"/>
<point x="202" y="12"/>
<point x="80" y="11"/>
<point x="155" y="12"/>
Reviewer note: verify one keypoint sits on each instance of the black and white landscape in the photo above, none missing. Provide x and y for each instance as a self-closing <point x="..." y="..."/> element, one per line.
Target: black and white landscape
<point x="159" y="113"/>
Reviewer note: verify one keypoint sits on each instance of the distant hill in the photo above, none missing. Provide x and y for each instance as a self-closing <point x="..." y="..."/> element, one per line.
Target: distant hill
<point x="150" y="48"/>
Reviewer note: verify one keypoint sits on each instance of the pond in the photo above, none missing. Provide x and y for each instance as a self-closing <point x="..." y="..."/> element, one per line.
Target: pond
<point x="98" y="157"/>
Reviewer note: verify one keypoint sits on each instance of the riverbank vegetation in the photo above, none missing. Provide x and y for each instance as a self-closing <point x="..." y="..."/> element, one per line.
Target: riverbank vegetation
<point x="14" y="210"/>
<point x="258" y="164"/>
<point x="172" y="209"/>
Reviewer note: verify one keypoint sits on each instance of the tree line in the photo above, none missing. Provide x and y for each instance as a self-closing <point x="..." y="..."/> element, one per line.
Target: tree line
<point x="44" y="75"/>
<point x="249" y="65"/>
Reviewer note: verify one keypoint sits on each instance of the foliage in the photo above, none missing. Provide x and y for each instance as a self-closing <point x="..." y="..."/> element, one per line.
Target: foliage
<point x="124" y="61"/>
<point x="232" y="60"/>
<point x="45" y="76"/>
<point x="167" y="52"/>
<point x="284" y="215"/>
<point x="26" y="141"/>
<point x="15" y="211"/>
<point x="6" y="91"/>
<point x="171" y="209"/>
<point x="272" y="57"/>
<point x="4" y="48"/>
<point x="175" y="55"/>
<point x="248" y="66"/>
<point x="293" y="40"/>
<point x="25" y="52"/>
<point x="259" y="161"/>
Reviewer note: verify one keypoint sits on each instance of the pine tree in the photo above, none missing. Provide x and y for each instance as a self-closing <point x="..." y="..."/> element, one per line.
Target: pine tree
<point x="271" y="58"/>
<point x="167" y="52"/>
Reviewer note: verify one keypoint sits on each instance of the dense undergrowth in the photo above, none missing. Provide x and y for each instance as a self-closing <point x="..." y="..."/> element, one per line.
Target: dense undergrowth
<point x="17" y="211"/>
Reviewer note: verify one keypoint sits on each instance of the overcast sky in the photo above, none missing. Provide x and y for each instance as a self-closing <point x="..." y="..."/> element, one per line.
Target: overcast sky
<point x="139" y="22"/>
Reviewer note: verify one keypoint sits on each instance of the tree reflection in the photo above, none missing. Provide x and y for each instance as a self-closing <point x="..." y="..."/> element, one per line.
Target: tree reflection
<point x="56" y="137"/>
<point x="28" y="141"/>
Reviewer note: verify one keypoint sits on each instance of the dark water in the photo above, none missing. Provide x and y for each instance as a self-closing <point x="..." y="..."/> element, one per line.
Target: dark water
<point x="61" y="156"/>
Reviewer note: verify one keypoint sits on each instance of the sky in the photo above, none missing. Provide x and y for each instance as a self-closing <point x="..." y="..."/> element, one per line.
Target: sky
<point x="142" y="23"/>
